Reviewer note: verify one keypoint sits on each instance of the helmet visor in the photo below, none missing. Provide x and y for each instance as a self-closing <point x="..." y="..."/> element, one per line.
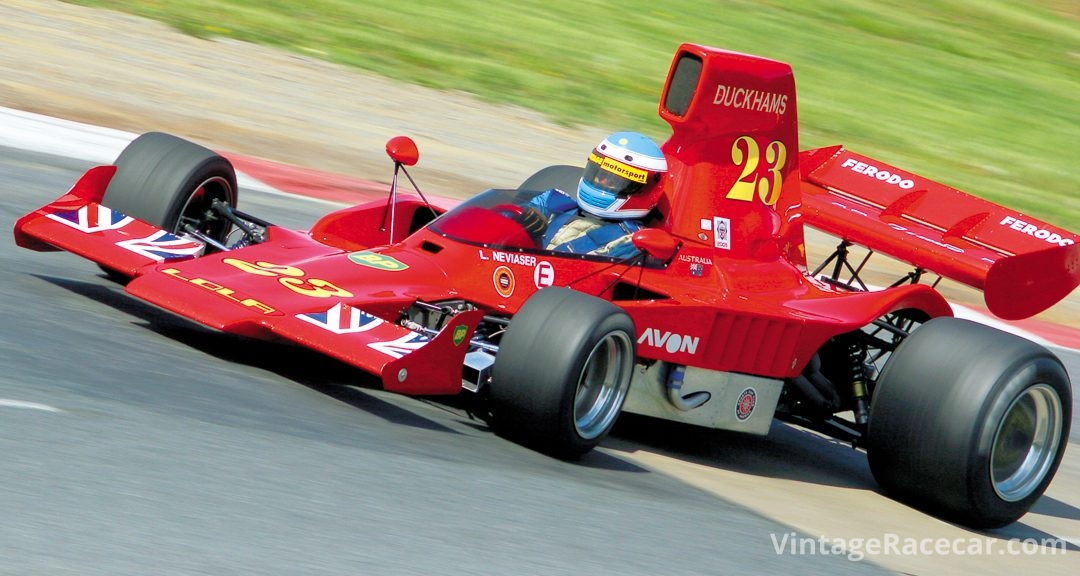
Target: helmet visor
<point x="616" y="177"/>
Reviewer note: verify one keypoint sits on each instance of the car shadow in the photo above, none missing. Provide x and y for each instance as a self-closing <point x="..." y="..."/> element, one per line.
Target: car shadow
<point x="316" y="371"/>
<point x="787" y="452"/>
<point x="791" y="453"/>
<point x="306" y="367"/>
<point x="1030" y="537"/>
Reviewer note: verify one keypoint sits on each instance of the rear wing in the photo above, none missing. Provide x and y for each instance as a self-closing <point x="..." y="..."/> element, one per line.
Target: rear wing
<point x="1022" y="265"/>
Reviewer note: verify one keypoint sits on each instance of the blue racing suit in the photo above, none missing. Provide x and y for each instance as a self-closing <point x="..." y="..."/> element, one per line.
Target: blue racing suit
<point x="570" y="230"/>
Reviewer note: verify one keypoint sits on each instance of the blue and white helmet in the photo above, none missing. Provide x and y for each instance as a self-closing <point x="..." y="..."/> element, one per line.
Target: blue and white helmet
<point x="622" y="177"/>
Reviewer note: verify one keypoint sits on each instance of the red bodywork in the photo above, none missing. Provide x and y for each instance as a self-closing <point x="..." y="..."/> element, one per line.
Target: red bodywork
<point x="735" y="296"/>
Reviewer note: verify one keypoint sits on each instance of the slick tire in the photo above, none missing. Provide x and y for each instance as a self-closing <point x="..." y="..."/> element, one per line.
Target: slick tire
<point x="969" y="423"/>
<point x="562" y="177"/>
<point x="562" y="372"/>
<point x="167" y="181"/>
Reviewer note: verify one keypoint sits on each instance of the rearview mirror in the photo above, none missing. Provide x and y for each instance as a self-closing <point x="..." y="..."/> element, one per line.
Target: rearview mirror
<point x="402" y="150"/>
<point x="656" y="243"/>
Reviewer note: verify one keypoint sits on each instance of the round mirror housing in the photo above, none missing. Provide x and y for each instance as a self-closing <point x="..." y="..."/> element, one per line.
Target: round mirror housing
<point x="402" y="150"/>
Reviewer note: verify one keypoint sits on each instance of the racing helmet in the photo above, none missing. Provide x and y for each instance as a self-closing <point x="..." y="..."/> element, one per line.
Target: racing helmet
<point x="622" y="177"/>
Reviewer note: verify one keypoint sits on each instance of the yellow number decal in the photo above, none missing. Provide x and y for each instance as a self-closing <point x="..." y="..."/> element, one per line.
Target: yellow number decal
<point x="775" y="158"/>
<point x="746" y="154"/>
<point x="743" y="189"/>
<point x="290" y="277"/>
<point x="314" y="287"/>
<point x="264" y="268"/>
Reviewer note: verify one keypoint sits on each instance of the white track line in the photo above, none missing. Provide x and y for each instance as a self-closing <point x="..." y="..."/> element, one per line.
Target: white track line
<point x="47" y="135"/>
<point x="8" y="403"/>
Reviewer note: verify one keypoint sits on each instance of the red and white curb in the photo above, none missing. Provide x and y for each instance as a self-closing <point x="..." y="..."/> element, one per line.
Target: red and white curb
<point x="55" y="136"/>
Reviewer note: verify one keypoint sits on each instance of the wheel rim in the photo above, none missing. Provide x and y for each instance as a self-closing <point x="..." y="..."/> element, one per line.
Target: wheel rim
<point x="197" y="211"/>
<point x="1026" y="443"/>
<point x="602" y="385"/>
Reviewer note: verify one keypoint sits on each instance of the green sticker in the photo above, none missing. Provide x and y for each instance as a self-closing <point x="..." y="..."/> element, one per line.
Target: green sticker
<point x="380" y="261"/>
<point x="459" y="334"/>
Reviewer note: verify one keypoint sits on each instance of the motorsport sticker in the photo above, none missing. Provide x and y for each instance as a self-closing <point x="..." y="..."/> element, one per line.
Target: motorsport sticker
<point x="459" y="334"/>
<point x="722" y="232"/>
<point x="744" y="408"/>
<point x="380" y="261"/>
<point x="503" y="279"/>
<point x="615" y="167"/>
<point x="544" y="274"/>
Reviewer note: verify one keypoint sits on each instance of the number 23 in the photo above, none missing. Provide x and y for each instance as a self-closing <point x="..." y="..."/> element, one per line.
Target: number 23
<point x="746" y="153"/>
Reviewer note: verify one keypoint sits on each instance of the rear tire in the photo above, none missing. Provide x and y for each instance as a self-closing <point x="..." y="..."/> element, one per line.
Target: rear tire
<point x="168" y="182"/>
<point x="562" y="372"/>
<point x="969" y="423"/>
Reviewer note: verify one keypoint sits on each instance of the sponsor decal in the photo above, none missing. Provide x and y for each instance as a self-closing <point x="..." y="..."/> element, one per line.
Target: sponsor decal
<point x="503" y="279"/>
<point x="375" y="260"/>
<point x="673" y="343"/>
<point x="290" y="277"/>
<point x="92" y="218"/>
<point x="162" y="246"/>
<point x="514" y="258"/>
<point x="1033" y="230"/>
<point x="220" y="290"/>
<point x="750" y="99"/>
<point x="722" y="233"/>
<point x="544" y="274"/>
<point x="878" y="174"/>
<point x="619" y="168"/>
<point x="459" y="334"/>
<point x="744" y="408"/>
<point x="342" y="319"/>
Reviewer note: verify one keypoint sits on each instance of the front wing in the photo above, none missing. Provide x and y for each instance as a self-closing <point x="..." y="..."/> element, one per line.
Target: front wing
<point x="406" y="361"/>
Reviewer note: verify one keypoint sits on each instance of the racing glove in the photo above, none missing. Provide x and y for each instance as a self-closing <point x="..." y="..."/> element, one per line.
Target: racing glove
<point x="533" y="221"/>
<point x="531" y="218"/>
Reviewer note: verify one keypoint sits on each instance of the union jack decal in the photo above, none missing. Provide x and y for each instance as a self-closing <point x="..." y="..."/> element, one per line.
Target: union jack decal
<point x="402" y="346"/>
<point x="342" y="319"/>
<point x="92" y="218"/>
<point x="345" y="319"/>
<point x="162" y="246"/>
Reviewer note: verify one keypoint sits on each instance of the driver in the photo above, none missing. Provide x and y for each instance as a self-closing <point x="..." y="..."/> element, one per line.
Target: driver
<point x="620" y="186"/>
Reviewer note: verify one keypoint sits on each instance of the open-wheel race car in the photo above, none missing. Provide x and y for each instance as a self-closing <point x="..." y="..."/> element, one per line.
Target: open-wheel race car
<point x="715" y="319"/>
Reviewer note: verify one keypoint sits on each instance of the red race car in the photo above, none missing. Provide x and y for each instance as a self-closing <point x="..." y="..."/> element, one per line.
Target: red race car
<point x="715" y="319"/>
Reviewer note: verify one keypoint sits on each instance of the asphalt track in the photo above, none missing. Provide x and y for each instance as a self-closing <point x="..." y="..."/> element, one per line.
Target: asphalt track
<point x="137" y="443"/>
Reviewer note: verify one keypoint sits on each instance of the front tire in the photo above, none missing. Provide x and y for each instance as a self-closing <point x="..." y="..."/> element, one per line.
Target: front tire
<point x="170" y="182"/>
<point x="562" y="372"/>
<point x="969" y="423"/>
